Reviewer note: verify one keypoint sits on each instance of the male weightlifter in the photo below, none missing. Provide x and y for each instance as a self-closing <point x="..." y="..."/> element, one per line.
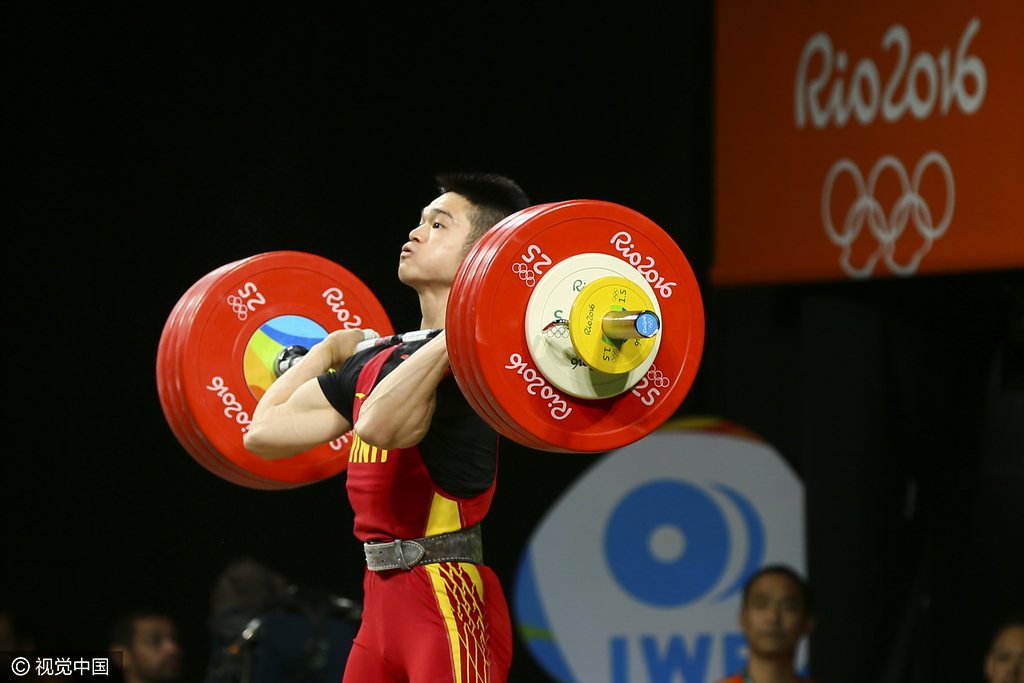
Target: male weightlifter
<point x="422" y="467"/>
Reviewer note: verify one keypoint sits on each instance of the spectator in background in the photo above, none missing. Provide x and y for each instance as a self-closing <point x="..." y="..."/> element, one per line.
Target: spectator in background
<point x="1005" y="660"/>
<point x="148" y="642"/>
<point x="777" y="612"/>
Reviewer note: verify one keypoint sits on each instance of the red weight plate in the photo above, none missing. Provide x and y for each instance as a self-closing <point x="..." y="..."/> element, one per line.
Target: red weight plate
<point x="549" y="235"/>
<point x="193" y="422"/>
<point x="657" y="395"/>
<point x="216" y="462"/>
<point x="239" y="469"/>
<point x="200" y="450"/>
<point x="169" y="362"/>
<point x="166" y="342"/>
<point x="166" y="381"/>
<point x="188" y="421"/>
<point x="461" y="345"/>
<point x="484" y="400"/>
<point x="462" y="302"/>
<point x="468" y="291"/>
<point x="162" y="362"/>
<point x="457" y="348"/>
<point x="476" y="264"/>
<point x="276" y="298"/>
<point x="465" y="290"/>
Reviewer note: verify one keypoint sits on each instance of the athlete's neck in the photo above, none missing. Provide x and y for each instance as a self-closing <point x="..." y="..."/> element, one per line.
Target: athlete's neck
<point x="433" y="306"/>
<point x="774" y="670"/>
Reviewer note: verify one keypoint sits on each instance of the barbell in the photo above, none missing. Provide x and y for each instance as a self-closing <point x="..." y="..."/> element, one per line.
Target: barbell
<point x="571" y="327"/>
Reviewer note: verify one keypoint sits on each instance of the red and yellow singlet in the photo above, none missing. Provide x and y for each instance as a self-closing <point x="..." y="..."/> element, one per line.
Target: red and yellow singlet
<point x="439" y="622"/>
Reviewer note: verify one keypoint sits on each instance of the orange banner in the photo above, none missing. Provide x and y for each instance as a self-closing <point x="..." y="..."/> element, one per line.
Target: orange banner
<point x="869" y="139"/>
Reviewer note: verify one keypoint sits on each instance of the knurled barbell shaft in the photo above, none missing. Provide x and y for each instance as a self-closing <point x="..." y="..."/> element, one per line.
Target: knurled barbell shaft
<point x="630" y="324"/>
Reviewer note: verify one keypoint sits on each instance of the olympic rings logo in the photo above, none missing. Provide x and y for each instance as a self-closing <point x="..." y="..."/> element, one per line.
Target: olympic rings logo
<point x="238" y="306"/>
<point x="886" y="229"/>
<point x="658" y="378"/>
<point x="654" y="381"/>
<point x="525" y="273"/>
<point x="249" y="297"/>
<point x="557" y="332"/>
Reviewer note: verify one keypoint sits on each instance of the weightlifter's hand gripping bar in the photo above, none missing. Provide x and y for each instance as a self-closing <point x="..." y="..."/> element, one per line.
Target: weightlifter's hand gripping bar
<point x="290" y="355"/>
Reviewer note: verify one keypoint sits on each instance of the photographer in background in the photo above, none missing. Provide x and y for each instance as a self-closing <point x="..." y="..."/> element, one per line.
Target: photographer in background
<point x="267" y="631"/>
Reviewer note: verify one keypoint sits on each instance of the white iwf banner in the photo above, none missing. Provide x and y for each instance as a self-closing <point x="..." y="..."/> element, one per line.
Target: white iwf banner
<point x="636" y="573"/>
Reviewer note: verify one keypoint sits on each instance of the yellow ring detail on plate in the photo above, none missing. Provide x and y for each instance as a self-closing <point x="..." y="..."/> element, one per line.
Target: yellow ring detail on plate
<point x="610" y="356"/>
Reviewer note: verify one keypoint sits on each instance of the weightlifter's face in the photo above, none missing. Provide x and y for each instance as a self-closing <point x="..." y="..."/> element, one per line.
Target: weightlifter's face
<point x="437" y="246"/>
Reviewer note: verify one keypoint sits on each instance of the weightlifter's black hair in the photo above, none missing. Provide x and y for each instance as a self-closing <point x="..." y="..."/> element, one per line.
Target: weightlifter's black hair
<point x="494" y="197"/>
<point x="785" y="570"/>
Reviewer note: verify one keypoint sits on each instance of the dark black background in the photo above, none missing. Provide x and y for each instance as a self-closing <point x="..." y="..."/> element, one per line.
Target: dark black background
<point x="145" y="146"/>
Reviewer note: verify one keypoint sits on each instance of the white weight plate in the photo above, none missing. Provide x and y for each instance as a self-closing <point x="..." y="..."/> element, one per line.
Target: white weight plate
<point x="552" y="351"/>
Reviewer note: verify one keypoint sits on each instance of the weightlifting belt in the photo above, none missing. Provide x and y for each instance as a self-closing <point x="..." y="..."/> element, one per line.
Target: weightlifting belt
<point x="464" y="545"/>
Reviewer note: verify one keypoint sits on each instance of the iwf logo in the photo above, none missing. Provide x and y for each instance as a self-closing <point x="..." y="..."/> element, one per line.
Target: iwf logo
<point x="635" y="574"/>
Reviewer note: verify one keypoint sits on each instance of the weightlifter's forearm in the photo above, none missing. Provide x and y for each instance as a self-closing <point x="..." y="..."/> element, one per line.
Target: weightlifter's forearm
<point x="330" y="353"/>
<point x="398" y="411"/>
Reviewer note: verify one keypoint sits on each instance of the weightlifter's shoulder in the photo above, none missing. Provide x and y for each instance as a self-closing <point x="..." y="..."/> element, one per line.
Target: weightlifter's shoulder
<point x="349" y="373"/>
<point x="339" y="387"/>
<point x="450" y="400"/>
